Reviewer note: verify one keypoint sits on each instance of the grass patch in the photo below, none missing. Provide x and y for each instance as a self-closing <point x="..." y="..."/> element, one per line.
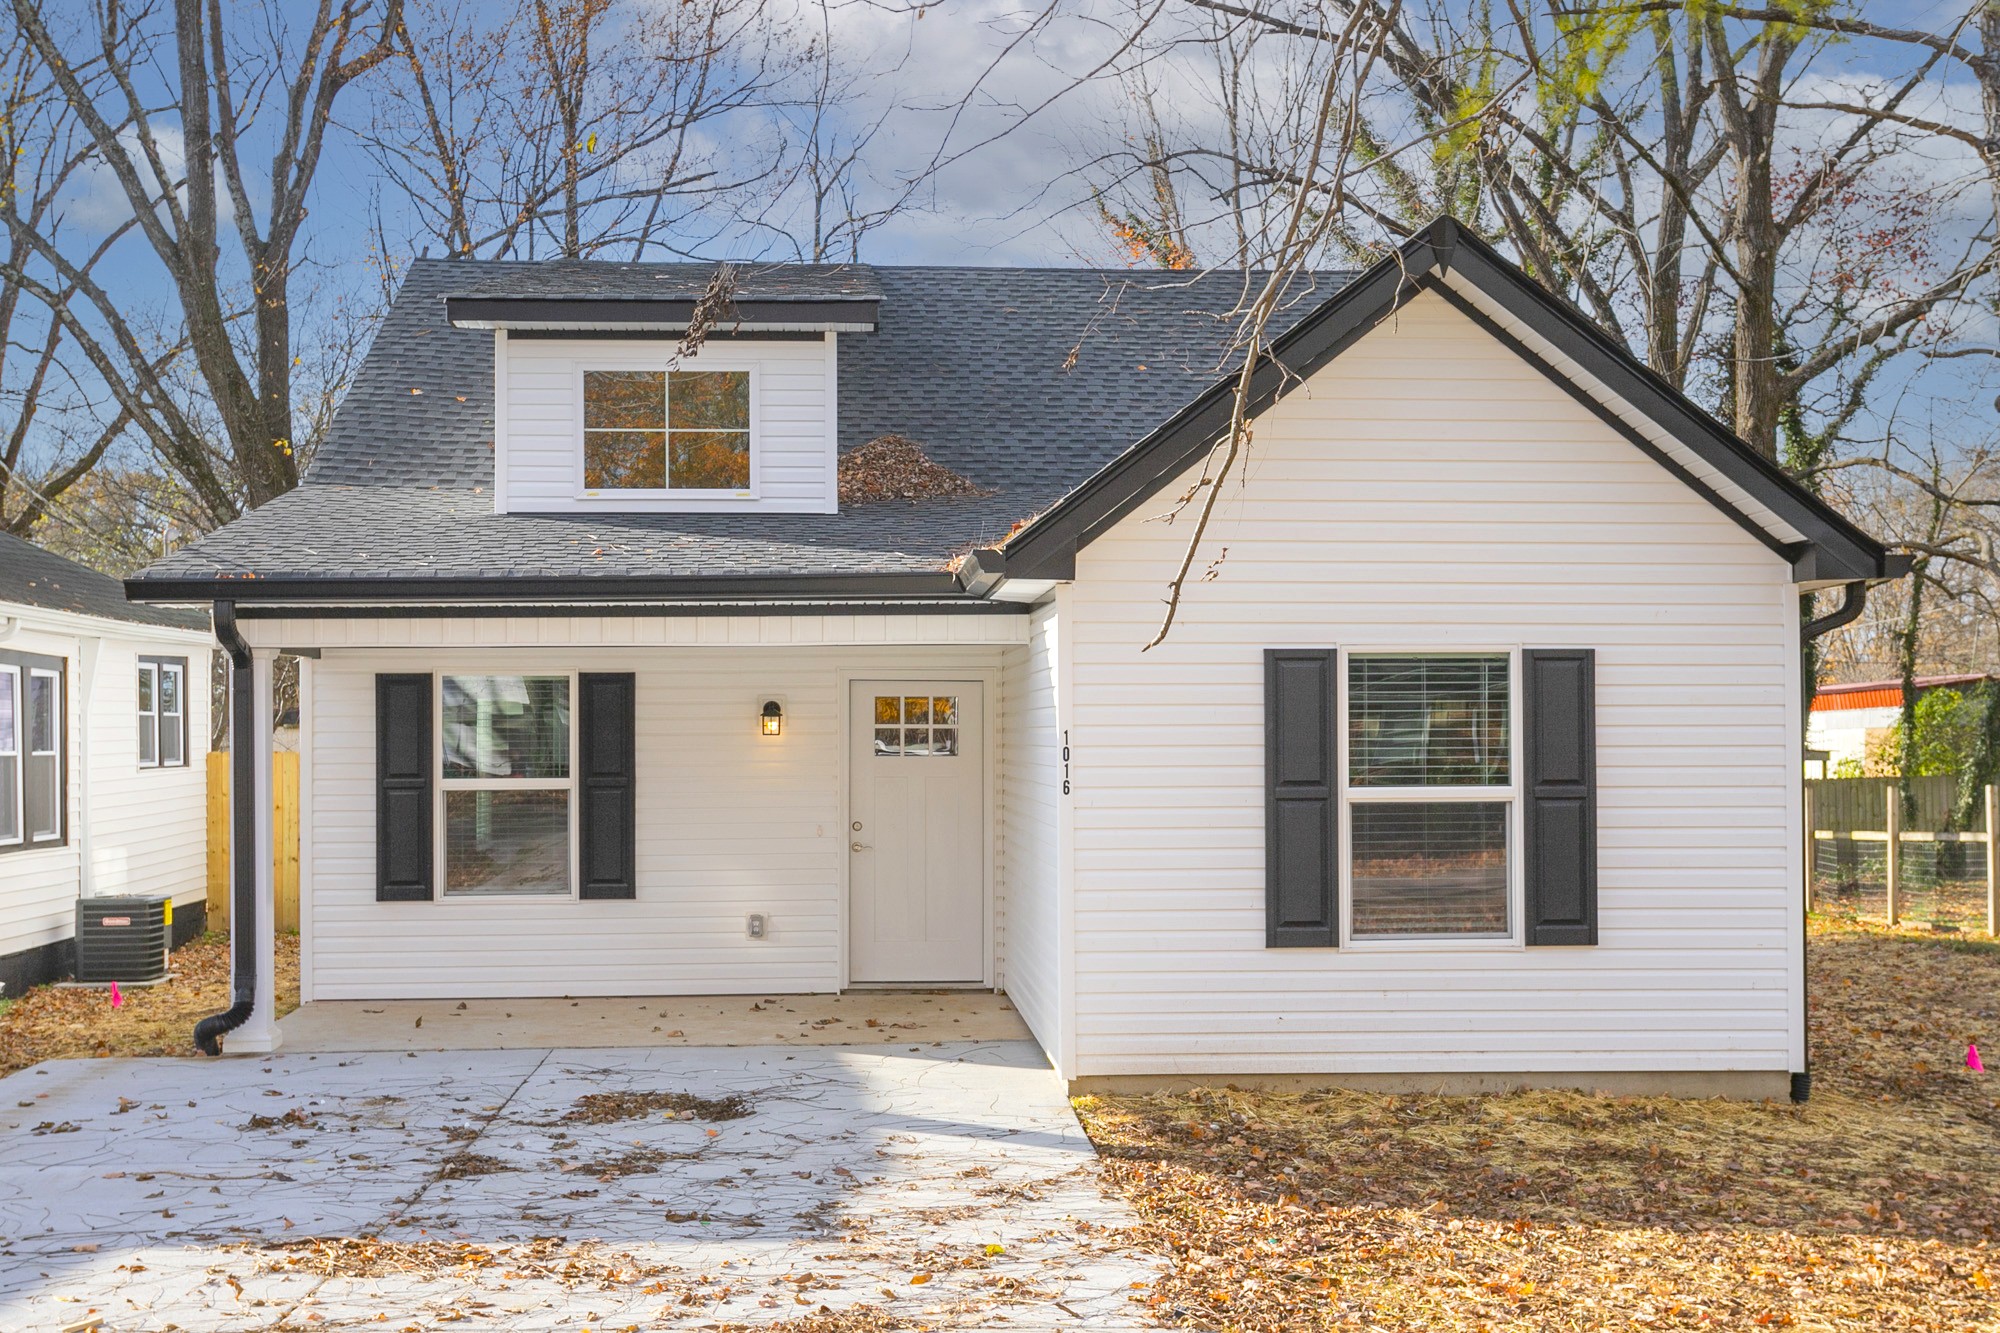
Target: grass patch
<point x="58" y="1023"/>
<point x="1875" y="1205"/>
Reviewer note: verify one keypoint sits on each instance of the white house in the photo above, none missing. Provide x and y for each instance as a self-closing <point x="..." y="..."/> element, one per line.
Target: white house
<point x="1851" y="719"/>
<point x="607" y="691"/>
<point x="103" y="729"/>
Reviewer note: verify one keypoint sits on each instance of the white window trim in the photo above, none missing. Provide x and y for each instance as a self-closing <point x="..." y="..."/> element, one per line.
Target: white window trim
<point x="55" y="752"/>
<point x="747" y="366"/>
<point x="157" y="667"/>
<point x="19" y="754"/>
<point x="439" y="847"/>
<point x="1351" y="795"/>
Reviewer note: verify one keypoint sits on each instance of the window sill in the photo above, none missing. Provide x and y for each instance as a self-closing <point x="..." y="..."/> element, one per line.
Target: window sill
<point x="1433" y="943"/>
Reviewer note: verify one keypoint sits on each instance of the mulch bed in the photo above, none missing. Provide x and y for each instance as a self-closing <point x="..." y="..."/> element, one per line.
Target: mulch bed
<point x="1874" y="1206"/>
<point x="58" y="1023"/>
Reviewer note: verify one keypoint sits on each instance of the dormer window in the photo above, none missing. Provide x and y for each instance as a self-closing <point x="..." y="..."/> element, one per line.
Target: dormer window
<point x="664" y="431"/>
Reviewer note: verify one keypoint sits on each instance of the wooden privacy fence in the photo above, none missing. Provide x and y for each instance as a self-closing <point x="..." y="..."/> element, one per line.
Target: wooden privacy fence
<point x="1847" y="817"/>
<point x="285" y="837"/>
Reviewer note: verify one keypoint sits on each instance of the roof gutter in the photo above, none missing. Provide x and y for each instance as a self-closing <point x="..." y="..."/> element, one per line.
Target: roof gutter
<point x="243" y="833"/>
<point x="226" y="589"/>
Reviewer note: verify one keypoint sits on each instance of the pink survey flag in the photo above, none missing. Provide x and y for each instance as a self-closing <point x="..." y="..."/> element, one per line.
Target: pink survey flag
<point x="116" y="998"/>
<point x="1972" y="1058"/>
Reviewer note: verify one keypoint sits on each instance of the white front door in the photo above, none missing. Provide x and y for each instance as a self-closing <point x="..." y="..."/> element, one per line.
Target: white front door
<point x="917" y="832"/>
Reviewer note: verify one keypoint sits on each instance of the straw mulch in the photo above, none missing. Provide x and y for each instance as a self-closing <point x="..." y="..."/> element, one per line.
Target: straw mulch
<point x="59" y="1023"/>
<point x="1874" y="1206"/>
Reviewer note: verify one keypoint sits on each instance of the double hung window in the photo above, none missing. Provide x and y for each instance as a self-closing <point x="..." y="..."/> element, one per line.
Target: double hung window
<point x="33" y="777"/>
<point x="163" y="712"/>
<point x="507" y="785"/>
<point x="1430" y="794"/>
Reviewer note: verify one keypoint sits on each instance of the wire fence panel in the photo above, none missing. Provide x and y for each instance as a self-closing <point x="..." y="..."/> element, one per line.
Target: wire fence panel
<point x="1940" y="865"/>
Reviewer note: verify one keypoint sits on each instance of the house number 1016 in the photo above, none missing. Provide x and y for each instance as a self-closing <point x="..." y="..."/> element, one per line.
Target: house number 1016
<point x="1065" y="761"/>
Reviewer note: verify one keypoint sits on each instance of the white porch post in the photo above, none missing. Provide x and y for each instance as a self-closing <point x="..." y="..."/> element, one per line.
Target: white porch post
<point x="260" y="1034"/>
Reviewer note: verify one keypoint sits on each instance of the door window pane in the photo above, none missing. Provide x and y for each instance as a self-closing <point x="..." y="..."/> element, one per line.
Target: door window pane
<point x="508" y="842"/>
<point x="1428" y="721"/>
<point x="1430" y="868"/>
<point x="928" y="725"/>
<point x="506" y="727"/>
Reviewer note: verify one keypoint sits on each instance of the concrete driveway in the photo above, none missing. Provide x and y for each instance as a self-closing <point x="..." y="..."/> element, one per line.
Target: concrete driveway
<point x="943" y="1186"/>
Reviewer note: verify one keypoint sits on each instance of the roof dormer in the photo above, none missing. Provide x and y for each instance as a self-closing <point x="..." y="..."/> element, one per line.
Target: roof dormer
<point x="600" y="406"/>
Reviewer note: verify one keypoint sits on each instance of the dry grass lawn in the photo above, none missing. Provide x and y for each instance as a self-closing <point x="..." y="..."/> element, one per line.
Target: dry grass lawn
<point x="63" y="1023"/>
<point x="1873" y="1207"/>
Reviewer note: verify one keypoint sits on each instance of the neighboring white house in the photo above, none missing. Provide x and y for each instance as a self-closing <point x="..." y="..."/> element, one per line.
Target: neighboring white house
<point x="608" y="691"/>
<point x="1848" y="720"/>
<point x="103" y="738"/>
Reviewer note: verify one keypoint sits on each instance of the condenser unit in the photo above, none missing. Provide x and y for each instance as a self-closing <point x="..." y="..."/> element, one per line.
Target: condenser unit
<point x="123" y="939"/>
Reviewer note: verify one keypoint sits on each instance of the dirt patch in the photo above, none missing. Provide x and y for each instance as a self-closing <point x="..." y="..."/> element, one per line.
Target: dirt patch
<point x="895" y="467"/>
<point x="460" y="1165"/>
<point x="1874" y="1205"/>
<point x="57" y="1023"/>
<point x="604" y="1108"/>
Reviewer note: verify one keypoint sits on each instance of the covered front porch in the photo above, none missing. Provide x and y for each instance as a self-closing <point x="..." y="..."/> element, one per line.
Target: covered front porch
<point x="595" y="812"/>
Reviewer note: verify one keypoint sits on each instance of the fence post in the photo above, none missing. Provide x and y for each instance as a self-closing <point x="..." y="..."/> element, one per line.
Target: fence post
<point x="1812" y="845"/>
<point x="1892" y="855"/>
<point x="1992" y="859"/>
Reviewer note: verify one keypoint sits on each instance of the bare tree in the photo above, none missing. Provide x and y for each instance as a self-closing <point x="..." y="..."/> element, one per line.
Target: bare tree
<point x="570" y="128"/>
<point x="177" y="159"/>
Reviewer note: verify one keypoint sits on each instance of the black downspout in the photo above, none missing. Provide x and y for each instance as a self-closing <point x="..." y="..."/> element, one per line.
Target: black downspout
<point x="243" y="837"/>
<point x="1854" y="598"/>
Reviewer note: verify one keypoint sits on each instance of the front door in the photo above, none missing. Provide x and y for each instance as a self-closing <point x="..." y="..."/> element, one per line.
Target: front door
<point x="917" y="832"/>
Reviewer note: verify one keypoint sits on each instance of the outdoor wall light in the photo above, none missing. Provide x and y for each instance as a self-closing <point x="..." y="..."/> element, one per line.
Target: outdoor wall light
<point x="772" y="719"/>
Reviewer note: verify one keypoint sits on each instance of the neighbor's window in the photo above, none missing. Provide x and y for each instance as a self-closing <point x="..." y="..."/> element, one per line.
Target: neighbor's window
<point x="654" y="430"/>
<point x="507" y="785"/>
<point x="163" y="712"/>
<point x="33" y="780"/>
<point x="1429" y="793"/>
<point x="42" y="793"/>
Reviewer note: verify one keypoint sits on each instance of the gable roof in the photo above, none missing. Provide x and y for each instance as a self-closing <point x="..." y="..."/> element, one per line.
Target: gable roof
<point x="1033" y="383"/>
<point x="1823" y="547"/>
<point x="31" y="576"/>
<point x="1025" y="381"/>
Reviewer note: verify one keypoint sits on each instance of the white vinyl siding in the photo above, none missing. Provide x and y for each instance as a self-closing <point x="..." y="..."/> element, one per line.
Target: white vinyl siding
<point x="1430" y="491"/>
<point x="540" y="380"/>
<point x="1030" y="785"/>
<point x="148" y="831"/>
<point x="729" y="822"/>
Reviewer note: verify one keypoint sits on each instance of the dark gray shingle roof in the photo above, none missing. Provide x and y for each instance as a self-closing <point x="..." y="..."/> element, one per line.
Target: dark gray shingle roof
<point x="1025" y="380"/>
<point x="31" y="576"/>
<point x="611" y="280"/>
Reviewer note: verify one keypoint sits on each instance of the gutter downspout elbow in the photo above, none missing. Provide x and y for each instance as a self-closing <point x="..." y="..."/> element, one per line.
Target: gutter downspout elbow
<point x="243" y="813"/>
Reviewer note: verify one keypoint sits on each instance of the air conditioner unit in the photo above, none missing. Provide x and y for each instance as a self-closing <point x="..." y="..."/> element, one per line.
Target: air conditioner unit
<point x="123" y="939"/>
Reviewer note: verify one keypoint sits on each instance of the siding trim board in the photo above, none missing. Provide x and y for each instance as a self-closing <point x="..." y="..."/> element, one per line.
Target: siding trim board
<point x="1832" y="547"/>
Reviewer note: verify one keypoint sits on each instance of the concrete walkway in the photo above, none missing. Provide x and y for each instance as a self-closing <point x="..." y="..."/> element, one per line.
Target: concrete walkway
<point x="945" y="1186"/>
<point x="855" y="1018"/>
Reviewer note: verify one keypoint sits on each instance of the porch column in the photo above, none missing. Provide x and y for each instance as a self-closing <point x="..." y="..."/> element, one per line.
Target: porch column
<point x="260" y="1034"/>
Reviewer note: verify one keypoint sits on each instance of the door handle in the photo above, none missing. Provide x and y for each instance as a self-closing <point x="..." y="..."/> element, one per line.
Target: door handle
<point x="857" y="846"/>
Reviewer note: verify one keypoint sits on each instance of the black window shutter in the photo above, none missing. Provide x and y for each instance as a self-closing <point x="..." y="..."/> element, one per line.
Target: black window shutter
<point x="1559" y="704"/>
<point x="607" y="756"/>
<point x="403" y="788"/>
<point x="1301" y="815"/>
